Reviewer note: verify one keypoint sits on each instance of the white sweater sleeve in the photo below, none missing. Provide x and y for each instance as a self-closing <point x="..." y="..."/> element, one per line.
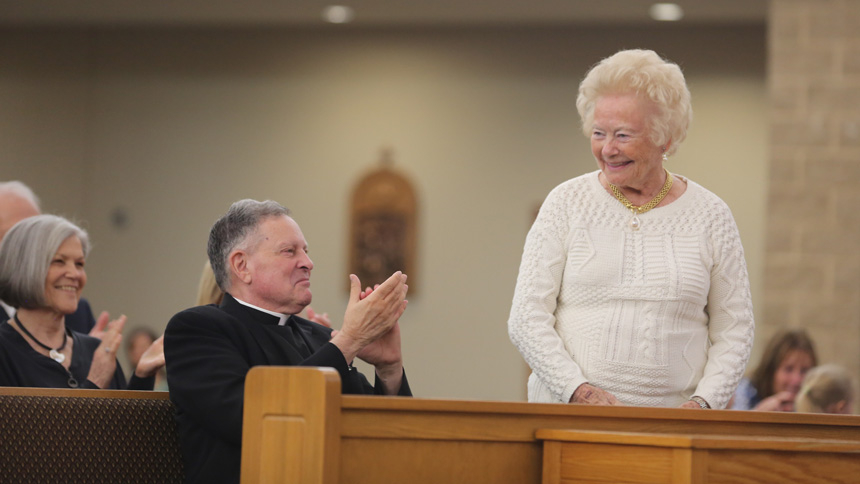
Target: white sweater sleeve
<point x="532" y="320"/>
<point x="731" y="325"/>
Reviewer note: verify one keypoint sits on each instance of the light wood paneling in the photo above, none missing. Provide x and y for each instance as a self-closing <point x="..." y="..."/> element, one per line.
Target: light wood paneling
<point x="396" y="439"/>
<point x="291" y="439"/>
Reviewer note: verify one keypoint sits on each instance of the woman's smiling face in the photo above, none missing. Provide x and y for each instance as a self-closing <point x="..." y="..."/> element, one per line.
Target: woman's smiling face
<point x="66" y="277"/>
<point x="621" y="142"/>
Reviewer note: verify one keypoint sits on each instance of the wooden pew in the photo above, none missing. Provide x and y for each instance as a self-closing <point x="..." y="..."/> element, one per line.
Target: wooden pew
<point x="298" y="428"/>
<point x="52" y="435"/>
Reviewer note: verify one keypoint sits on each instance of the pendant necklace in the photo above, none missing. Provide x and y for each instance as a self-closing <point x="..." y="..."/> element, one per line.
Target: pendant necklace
<point x="635" y="223"/>
<point x="55" y="354"/>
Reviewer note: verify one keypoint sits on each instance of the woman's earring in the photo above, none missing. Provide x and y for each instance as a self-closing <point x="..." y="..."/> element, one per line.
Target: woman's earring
<point x="665" y="158"/>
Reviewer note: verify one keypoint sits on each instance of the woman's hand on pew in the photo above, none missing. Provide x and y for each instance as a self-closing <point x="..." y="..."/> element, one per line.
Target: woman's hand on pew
<point x="587" y="394"/>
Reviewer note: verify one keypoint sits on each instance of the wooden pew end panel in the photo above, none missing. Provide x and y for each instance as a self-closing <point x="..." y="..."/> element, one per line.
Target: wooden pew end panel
<point x="294" y="437"/>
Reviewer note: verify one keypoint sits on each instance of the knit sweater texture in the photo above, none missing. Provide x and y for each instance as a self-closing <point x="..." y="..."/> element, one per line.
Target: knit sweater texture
<point x="653" y="316"/>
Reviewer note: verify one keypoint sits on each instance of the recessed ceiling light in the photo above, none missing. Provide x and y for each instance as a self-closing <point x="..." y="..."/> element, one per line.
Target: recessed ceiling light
<point x="338" y="14"/>
<point x="666" y="12"/>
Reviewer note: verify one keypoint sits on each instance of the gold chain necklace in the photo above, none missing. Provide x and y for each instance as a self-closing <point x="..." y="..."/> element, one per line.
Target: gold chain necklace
<point x="635" y="223"/>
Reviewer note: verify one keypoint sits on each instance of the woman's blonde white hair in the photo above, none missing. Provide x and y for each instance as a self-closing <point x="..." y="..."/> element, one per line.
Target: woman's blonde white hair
<point x="25" y="256"/>
<point x="647" y="75"/>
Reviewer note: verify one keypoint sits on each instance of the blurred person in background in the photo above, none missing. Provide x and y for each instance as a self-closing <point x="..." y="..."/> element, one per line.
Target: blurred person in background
<point x="826" y="389"/>
<point x="775" y="382"/>
<point x="138" y="342"/>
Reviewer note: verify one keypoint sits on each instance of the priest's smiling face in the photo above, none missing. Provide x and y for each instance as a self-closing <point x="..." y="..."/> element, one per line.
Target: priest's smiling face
<point x="278" y="266"/>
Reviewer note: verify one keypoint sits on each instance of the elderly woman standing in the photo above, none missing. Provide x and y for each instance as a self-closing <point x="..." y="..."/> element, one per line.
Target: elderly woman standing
<point x="633" y="288"/>
<point x="42" y="275"/>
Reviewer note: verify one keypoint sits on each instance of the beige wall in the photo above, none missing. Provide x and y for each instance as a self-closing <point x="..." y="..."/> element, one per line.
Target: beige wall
<point x="44" y="111"/>
<point x="171" y="126"/>
<point x="813" y="234"/>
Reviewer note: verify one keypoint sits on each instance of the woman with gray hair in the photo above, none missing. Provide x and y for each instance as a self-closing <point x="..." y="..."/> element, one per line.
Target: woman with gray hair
<point x="633" y="288"/>
<point x="41" y="276"/>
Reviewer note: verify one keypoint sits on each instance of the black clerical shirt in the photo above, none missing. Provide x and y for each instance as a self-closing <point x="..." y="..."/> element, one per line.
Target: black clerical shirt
<point x="209" y="350"/>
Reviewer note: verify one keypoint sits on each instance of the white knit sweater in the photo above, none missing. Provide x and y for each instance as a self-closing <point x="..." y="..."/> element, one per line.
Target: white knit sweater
<point x="653" y="316"/>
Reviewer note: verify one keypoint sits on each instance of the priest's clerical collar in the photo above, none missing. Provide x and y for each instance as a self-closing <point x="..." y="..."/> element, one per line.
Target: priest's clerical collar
<point x="283" y="317"/>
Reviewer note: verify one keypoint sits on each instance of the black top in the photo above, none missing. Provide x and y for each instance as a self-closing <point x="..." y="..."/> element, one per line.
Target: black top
<point x="22" y="366"/>
<point x="81" y="320"/>
<point x="209" y="350"/>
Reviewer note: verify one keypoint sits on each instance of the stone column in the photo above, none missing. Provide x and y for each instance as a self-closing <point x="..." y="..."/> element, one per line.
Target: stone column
<point x="812" y="266"/>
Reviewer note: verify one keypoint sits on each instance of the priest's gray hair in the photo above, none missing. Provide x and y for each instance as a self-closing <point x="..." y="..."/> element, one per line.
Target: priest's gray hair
<point x="26" y="254"/>
<point x="234" y="230"/>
